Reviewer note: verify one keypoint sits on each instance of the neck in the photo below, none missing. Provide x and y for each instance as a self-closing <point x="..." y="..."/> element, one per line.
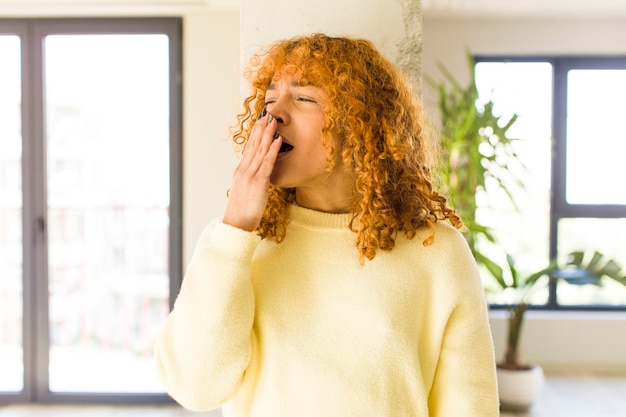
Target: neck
<point x="333" y="193"/>
<point x="337" y="198"/>
<point x="320" y="204"/>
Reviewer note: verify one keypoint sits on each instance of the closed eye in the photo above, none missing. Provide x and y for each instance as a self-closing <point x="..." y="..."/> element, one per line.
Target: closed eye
<point x="307" y="99"/>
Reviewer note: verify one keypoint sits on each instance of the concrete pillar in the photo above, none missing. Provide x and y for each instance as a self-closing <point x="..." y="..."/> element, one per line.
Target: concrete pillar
<point x="395" y="26"/>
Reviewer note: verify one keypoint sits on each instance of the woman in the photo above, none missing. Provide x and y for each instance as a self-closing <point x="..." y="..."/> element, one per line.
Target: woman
<point x="336" y="283"/>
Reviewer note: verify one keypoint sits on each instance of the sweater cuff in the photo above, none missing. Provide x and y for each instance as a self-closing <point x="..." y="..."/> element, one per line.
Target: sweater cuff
<point x="231" y="241"/>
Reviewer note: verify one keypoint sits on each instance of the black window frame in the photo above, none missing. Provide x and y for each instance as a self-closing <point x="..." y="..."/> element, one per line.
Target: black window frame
<point x="560" y="208"/>
<point x="35" y="335"/>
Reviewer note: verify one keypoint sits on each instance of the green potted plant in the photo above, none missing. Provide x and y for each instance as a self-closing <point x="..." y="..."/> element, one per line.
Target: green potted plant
<point x="580" y="268"/>
<point x="475" y="146"/>
<point x="519" y="382"/>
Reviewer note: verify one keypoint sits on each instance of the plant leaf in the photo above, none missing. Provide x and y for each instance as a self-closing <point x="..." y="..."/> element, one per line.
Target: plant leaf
<point x="575" y="258"/>
<point x="494" y="269"/>
<point x="577" y="275"/>
<point x="514" y="274"/>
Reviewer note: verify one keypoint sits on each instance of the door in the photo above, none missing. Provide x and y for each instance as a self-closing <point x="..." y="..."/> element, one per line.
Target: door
<point x="100" y="208"/>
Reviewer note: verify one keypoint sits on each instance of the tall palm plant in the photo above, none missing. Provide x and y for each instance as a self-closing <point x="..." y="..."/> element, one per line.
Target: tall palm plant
<point x="475" y="148"/>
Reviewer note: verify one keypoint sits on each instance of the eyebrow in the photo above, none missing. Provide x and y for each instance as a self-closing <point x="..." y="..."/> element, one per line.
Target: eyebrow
<point x="272" y="86"/>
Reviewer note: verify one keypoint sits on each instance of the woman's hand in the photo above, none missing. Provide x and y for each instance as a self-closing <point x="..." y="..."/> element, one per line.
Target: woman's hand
<point x="248" y="194"/>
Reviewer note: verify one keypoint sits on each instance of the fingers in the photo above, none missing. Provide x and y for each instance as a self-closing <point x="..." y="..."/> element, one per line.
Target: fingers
<point x="251" y="179"/>
<point x="258" y="148"/>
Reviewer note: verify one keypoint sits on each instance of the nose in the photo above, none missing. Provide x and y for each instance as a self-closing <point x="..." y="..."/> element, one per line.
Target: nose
<point x="281" y="115"/>
<point x="280" y="110"/>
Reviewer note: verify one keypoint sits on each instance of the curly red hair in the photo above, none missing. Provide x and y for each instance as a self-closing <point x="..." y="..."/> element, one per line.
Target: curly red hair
<point x="382" y="126"/>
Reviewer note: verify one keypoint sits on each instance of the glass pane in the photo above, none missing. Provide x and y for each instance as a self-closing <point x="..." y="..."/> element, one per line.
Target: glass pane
<point x="596" y="139"/>
<point x="607" y="236"/>
<point x="108" y="198"/>
<point x="11" y="352"/>
<point x="525" y="89"/>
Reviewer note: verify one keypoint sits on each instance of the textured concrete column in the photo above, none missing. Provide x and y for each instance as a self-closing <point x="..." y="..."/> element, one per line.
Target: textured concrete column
<point x="395" y="26"/>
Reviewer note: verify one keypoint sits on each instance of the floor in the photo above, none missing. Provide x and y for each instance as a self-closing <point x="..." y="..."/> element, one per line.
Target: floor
<point x="572" y="395"/>
<point x="99" y="411"/>
<point x="580" y="395"/>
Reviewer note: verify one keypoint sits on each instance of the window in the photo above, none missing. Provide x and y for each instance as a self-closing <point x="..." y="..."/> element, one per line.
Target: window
<point x="10" y="215"/>
<point x="90" y="205"/>
<point x="573" y="145"/>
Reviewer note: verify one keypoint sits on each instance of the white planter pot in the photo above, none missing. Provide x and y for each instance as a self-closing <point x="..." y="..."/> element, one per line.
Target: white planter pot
<point x="519" y="388"/>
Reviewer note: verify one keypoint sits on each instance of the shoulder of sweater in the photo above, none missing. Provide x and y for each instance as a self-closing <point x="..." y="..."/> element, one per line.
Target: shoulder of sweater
<point x="449" y="254"/>
<point x="446" y="237"/>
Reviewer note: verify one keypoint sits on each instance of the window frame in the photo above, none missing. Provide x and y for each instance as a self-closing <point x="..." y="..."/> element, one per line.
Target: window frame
<point x="560" y="208"/>
<point x="35" y="335"/>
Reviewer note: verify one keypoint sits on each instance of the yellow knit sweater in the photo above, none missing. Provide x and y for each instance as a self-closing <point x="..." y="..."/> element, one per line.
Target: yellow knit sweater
<point x="301" y="329"/>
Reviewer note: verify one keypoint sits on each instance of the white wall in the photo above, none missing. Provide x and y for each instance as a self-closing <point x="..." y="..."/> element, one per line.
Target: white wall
<point x="211" y="102"/>
<point x="393" y="26"/>
<point x="555" y="340"/>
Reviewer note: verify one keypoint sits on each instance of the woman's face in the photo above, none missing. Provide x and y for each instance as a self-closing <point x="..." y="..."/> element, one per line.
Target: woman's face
<point x="302" y="162"/>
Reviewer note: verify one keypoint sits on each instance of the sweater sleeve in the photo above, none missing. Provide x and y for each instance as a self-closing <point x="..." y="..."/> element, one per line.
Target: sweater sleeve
<point x="465" y="379"/>
<point x="204" y="345"/>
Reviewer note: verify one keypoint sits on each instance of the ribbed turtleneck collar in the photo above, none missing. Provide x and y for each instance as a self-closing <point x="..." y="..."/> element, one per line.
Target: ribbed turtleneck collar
<point x="318" y="219"/>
